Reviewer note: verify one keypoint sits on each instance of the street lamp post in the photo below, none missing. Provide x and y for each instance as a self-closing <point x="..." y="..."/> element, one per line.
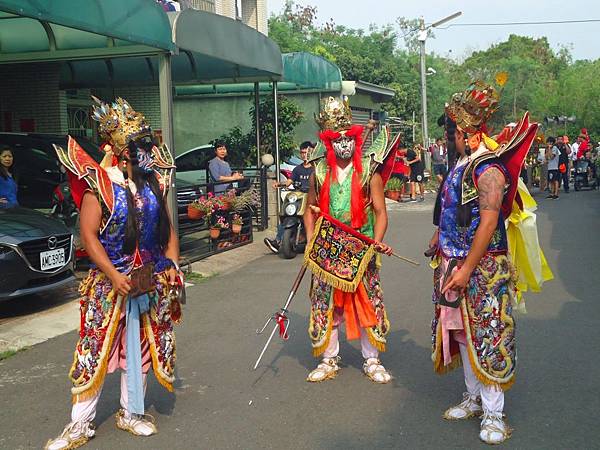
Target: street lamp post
<point x="422" y="36"/>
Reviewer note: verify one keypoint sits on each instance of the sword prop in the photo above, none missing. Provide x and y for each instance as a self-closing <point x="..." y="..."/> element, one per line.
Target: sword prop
<point x="362" y="237"/>
<point x="282" y="322"/>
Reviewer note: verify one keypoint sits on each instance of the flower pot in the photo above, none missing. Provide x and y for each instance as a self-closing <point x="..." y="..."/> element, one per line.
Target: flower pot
<point x="214" y="233"/>
<point x="194" y="213"/>
<point x="393" y="195"/>
<point x="236" y="228"/>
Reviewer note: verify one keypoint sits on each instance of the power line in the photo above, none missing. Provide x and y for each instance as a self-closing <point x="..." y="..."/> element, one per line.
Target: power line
<point x="546" y="22"/>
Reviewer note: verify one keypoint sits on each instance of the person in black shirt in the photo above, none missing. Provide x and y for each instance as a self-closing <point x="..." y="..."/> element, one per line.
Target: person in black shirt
<point x="300" y="179"/>
<point x="563" y="161"/>
<point x="413" y="159"/>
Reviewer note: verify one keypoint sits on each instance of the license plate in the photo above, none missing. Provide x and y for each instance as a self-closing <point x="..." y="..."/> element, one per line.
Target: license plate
<point x="52" y="259"/>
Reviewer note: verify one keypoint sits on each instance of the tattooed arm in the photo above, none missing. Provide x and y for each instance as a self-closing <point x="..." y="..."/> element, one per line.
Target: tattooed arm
<point x="491" y="192"/>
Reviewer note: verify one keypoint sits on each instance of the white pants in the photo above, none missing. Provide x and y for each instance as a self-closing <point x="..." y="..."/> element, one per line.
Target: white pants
<point x="492" y="397"/>
<point x="333" y="349"/>
<point x="85" y="411"/>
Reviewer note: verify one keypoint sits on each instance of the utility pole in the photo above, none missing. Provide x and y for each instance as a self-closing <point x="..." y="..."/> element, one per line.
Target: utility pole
<point x="422" y="38"/>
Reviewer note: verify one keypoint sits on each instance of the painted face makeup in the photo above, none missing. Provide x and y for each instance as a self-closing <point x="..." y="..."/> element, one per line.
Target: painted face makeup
<point x="343" y="147"/>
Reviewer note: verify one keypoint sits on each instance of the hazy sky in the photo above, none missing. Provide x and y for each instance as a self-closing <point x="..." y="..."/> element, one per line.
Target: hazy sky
<point x="582" y="38"/>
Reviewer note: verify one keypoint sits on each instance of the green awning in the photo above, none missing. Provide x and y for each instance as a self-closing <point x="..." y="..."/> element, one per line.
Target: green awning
<point x="301" y="72"/>
<point x="212" y="49"/>
<point x="310" y="71"/>
<point x="52" y="30"/>
<point x="217" y="49"/>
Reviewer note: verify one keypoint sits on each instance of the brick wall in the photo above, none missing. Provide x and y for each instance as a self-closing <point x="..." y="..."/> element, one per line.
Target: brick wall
<point x="145" y="99"/>
<point x="30" y="96"/>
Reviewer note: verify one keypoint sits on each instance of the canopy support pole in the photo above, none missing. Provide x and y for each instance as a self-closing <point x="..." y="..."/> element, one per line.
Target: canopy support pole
<point x="277" y="162"/>
<point x="166" y="120"/>
<point x="257" y="121"/>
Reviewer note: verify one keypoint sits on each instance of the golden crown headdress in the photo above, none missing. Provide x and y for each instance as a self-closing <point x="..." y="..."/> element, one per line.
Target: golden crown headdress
<point x="119" y="123"/>
<point x="473" y="107"/>
<point x="335" y="114"/>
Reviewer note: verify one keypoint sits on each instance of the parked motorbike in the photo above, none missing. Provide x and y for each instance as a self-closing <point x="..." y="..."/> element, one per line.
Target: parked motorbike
<point x="584" y="176"/>
<point x="64" y="209"/>
<point x="293" y="240"/>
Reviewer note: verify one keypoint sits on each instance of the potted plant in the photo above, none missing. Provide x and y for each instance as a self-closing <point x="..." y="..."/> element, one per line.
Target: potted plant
<point x="215" y="229"/>
<point x="393" y="188"/>
<point x="222" y="202"/>
<point x="246" y="200"/>
<point x="199" y="208"/>
<point x="236" y="224"/>
<point x="228" y="199"/>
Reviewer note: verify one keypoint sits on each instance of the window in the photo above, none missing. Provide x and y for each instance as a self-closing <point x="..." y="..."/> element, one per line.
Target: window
<point x="203" y="5"/>
<point x="195" y="160"/>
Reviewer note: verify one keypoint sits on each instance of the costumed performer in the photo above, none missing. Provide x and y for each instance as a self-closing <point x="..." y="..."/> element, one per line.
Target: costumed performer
<point x="473" y="323"/>
<point x="128" y="300"/>
<point x="346" y="186"/>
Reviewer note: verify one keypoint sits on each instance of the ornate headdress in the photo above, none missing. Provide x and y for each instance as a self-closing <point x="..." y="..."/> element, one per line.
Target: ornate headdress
<point x="335" y="114"/>
<point x="119" y="123"/>
<point x="472" y="108"/>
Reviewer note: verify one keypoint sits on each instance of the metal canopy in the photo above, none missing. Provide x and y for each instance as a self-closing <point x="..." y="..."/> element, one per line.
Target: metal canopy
<point x="51" y="30"/>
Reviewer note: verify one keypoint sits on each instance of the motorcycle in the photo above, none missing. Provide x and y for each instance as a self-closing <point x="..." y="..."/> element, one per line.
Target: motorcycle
<point x="584" y="175"/>
<point x="293" y="240"/>
<point x="64" y="209"/>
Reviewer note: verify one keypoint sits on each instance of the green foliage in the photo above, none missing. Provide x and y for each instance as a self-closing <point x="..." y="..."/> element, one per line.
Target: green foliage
<point x="290" y="116"/>
<point x="241" y="147"/>
<point x="393" y="184"/>
<point x="541" y="80"/>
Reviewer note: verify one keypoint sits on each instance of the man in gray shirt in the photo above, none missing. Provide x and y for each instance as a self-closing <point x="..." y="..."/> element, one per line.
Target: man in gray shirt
<point x="438" y="158"/>
<point x="220" y="170"/>
<point x="552" y="156"/>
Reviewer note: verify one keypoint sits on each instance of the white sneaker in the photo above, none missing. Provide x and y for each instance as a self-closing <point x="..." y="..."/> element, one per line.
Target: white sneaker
<point x="493" y="429"/>
<point x="136" y="424"/>
<point x="326" y="370"/>
<point x="469" y="407"/>
<point x="74" y="435"/>
<point x="373" y="368"/>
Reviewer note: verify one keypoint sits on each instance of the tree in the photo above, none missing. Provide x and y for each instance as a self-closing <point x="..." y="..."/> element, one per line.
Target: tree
<point x="242" y="146"/>
<point x="541" y="80"/>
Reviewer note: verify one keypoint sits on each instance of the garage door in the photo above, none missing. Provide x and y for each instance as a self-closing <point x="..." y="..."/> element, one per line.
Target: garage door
<point x="361" y="116"/>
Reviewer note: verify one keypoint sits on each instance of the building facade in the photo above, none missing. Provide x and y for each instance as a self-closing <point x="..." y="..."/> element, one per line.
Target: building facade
<point x="251" y="12"/>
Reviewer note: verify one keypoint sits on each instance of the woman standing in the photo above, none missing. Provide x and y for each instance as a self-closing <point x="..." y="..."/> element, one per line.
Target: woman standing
<point x="8" y="185"/>
<point x="414" y="158"/>
<point x="128" y="303"/>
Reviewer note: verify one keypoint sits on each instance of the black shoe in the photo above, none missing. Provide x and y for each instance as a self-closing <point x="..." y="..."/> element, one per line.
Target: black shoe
<point x="413" y="200"/>
<point x="272" y="244"/>
<point x="550" y="196"/>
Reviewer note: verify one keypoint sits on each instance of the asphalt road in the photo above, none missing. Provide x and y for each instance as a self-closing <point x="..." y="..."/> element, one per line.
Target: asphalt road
<point x="221" y="403"/>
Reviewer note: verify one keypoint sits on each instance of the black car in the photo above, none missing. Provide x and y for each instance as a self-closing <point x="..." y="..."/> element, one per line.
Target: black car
<point x="36" y="253"/>
<point x="37" y="167"/>
<point x="43" y="185"/>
